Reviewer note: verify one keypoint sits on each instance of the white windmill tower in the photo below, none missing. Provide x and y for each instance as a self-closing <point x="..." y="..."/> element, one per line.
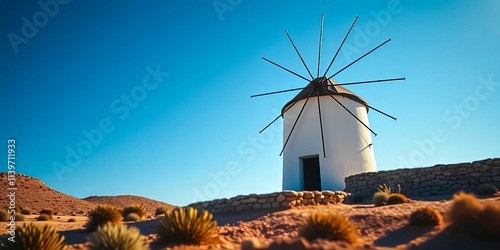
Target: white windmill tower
<point x="326" y="133"/>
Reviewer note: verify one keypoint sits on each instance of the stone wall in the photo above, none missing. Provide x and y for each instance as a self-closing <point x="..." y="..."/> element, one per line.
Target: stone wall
<point x="285" y="199"/>
<point x="436" y="180"/>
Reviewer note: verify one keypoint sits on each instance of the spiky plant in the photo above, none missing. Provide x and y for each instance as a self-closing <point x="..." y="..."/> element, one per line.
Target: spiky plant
<point x="464" y="209"/>
<point x="116" y="237"/>
<point x="396" y="199"/>
<point x="329" y="226"/>
<point x="31" y="236"/>
<point x="101" y="215"/>
<point x="425" y="217"/>
<point x="187" y="225"/>
<point x="380" y="198"/>
<point x="161" y="210"/>
<point x="486" y="189"/>
<point x="138" y="209"/>
<point x="4" y="215"/>
<point x="384" y="189"/>
<point x="132" y="217"/>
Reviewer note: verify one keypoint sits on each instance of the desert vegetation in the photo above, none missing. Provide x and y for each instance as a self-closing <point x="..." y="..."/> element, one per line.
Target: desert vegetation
<point x="31" y="236"/>
<point x="116" y="237"/>
<point x="329" y="226"/>
<point x="102" y="215"/>
<point x="426" y="217"/>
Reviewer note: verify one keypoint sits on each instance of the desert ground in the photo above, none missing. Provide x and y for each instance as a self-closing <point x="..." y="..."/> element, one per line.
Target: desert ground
<point x="385" y="227"/>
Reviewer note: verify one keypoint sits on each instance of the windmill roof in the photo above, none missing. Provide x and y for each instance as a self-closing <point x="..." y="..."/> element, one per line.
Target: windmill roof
<point x="324" y="86"/>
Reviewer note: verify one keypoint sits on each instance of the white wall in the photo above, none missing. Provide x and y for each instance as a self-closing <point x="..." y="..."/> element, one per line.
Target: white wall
<point x="346" y="142"/>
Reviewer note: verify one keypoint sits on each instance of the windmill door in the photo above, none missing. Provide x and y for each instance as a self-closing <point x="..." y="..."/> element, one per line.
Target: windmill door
<point x="311" y="173"/>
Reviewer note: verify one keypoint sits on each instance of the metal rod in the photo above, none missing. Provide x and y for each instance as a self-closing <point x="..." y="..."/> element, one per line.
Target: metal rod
<point x="302" y="59"/>
<point x="320" y="42"/>
<point x="295" y="123"/>
<point x="285" y="69"/>
<point x="277" y="92"/>
<point x="390" y="116"/>
<point x="388" y="40"/>
<point x="353" y="115"/>
<point x="289" y="107"/>
<point x="338" y="50"/>
<point x="370" y="81"/>
<point x="321" y="124"/>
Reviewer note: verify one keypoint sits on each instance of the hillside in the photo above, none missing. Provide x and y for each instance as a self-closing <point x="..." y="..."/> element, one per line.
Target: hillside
<point x="34" y="194"/>
<point x="122" y="201"/>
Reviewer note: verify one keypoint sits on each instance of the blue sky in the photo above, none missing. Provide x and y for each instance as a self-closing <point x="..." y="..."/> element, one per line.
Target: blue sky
<point x="162" y="88"/>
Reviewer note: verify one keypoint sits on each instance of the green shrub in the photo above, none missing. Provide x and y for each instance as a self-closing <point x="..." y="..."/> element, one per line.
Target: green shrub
<point x="328" y="226"/>
<point x="4" y="216"/>
<point x="380" y="198"/>
<point x="36" y="237"/>
<point x="426" y="217"/>
<point x="48" y="212"/>
<point x="26" y="211"/>
<point x="187" y="225"/>
<point x="116" y="237"/>
<point x="140" y="210"/>
<point x="132" y="217"/>
<point x="43" y="217"/>
<point x="101" y="215"/>
<point x="486" y="189"/>
<point x="19" y="217"/>
<point x="396" y="199"/>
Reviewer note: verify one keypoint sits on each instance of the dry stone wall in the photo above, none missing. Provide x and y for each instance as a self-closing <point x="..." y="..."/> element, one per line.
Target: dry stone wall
<point x="285" y="199"/>
<point x="436" y="180"/>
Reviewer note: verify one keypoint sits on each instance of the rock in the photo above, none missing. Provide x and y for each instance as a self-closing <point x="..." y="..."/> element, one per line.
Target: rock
<point x="289" y="193"/>
<point x="281" y="198"/>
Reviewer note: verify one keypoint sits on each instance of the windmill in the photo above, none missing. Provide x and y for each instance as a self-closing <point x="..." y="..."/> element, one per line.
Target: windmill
<point x="326" y="133"/>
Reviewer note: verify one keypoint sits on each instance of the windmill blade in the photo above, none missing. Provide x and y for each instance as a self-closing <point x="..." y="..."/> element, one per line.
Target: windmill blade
<point x="338" y="50"/>
<point x="295" y="123"/>
<point x="305" y="65"/>
<point x="388" y="40"/>
<point x="320" y="42"/>
<point x="382" y="112"/>
<point x="353" y="115"/>
<point x="321" y="124"/>
<point x="370" y="81"/>
<point x="285" y="68"/>
<point x="277" y="92"/>
<point x="277" y="117"/>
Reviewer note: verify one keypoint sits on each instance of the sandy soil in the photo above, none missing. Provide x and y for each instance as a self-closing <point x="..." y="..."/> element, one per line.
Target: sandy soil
<point x="379" y="227"/>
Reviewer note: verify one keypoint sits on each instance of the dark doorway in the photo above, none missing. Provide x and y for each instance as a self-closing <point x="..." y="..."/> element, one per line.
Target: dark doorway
<point x="311" y="173"/>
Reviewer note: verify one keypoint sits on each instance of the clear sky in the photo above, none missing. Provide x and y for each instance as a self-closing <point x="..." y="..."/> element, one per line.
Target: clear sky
<point x="152" y="98"/>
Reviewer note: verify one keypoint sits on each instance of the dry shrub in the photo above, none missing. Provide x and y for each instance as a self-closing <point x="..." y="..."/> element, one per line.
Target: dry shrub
<point x="132" y="217"/>
<point x="48" y="212"/>
<point x="138" y="209"/>
<point x="464" y="209"/>
<point x="380" y="198"/>
<point x="31" y="236"/>
<point x="160" y="211"/>
<point x="426" y="217"/>
<point x="4" y="216"/>
<point x="187" y="225"/>
<point x="329" y="226"/>
<point x="102" y="215"/>
<point x="19" y="217"/>
<point x="26" y="211"/>
<point x="117" y="237"/>
<point x="480" y="220"/>
<point x="396" y="199"/>
<point x="486" y="189"/>
<point x="43" y="217"/>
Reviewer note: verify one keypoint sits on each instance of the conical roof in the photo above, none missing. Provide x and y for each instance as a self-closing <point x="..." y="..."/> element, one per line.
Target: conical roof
<point x="324" y="86"/>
